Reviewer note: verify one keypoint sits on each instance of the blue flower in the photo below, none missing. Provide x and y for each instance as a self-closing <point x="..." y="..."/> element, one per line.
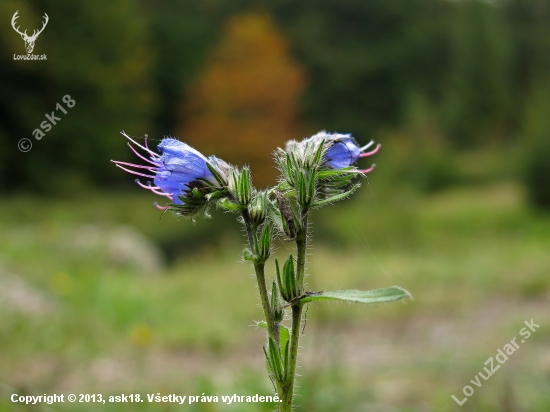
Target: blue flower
<point x="341" y="149"/>
<point x="176" y="170"/>
<point x="343" y="152"/>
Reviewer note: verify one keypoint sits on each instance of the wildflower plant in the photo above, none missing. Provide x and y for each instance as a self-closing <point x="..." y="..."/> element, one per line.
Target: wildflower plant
<point x="314" y="172"/>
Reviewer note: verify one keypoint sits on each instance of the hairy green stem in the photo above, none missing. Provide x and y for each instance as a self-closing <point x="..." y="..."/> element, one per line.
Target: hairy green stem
<point x="287" y="396"/>
<point x="301" y="246"/>
<point x="259" y="268"/>
<point x="273" y="327"/>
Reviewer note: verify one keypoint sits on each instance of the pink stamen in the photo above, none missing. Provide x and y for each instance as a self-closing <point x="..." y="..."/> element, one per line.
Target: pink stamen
<point x="140" y="156"/>
<point x="134" y="173"/>
<point x="146" y="186"/>
<point x="137" y="144"/>
<point x="370" y="169"/>
<point x="164" y="208"/>
<point x="161" y="194"/>
<point x="150" y="168"/>
<point x="371" y="152"/>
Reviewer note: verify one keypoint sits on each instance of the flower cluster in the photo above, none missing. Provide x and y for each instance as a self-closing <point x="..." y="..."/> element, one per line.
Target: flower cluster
<point x="315" y="170"/>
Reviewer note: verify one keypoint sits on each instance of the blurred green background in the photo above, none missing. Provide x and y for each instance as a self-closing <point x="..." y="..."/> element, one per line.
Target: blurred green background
<point x="99" y="293"/>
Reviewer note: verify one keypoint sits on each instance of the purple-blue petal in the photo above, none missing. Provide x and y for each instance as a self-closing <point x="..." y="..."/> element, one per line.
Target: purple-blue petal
<point x="180" y="165"/>
<point x="342" y="153"/>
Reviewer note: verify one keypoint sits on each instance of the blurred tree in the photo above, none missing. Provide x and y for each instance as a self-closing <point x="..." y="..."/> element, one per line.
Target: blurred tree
<point x="183" y="33"/>
<point x="244" y="104"/>
<point x="363" y="58"/>
<point x="98" y="53"/>
<point x="537" y="136"/>
<point x="479" y="84"/>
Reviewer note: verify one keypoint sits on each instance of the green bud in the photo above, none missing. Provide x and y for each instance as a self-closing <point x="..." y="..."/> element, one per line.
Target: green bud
<point x="287" y="281"/>
<point x="240" y="185"/>
<point x="263" y="244"/>
<point x="276" y="307"/>
<point x="287" y="216"/>
<point x="258" y="208"/>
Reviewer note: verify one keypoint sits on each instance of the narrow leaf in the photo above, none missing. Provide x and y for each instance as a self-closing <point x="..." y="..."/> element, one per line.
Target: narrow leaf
<point x="335" y="198"/>
<point x="268" y="362"/>
<point x="286" y="359"/>
<point x="216" y="174"/>
<point x="282" y="286"/>
<point x="361" y="296"/>
<point x="284" y="335"/>
<point x="290" y="278"/>
<point x="276" y="361"/>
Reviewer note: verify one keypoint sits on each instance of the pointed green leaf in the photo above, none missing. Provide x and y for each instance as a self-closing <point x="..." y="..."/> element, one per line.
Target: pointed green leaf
<point x="282" y="285"/>
<point x="284" y="335"/>
<point x="286" y="361"/>
<point x="302" y="189"/>
<point x="276" y="360"/>
<point x="268" y="362"/>
<point x="227" y="204"/>
<point x="216" y="174"/>
<point x="335" y="198"/>
<point x="249" y="255"/>
<point x="319" y="153"/>
<point x="290" y="278"/>
<point x="311" y="186"/>
<point x="361" y="296"/>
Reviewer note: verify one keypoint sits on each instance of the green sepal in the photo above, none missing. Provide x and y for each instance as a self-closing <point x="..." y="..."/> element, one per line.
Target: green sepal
<point x="319" y="153"/>
<point x="231" y="206"/>
<point x="302" y="189"/>
<point x="335" y="198"/>
<point x="216" y="174"/>
<point x="289" y="277"/>
<point x="250" y="256"/>
<point x="311" y="187"/>
<point x="284" y="336"/>
<point x="268" y="362"/>
<point x="216" y="195"/>
<point x="282" y="286"/>
<point x="286" y="357"/>
<point x="244" y="187"/>
<point x="276" y="307"/>
<point x="389" y="294"/>
<point x="198" y="193"/>
<point x="276" y="360"/>
<point x="263" y="246"/>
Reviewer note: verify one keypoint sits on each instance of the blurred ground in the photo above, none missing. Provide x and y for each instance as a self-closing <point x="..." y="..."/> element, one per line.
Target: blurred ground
<point x="476" y="260"/>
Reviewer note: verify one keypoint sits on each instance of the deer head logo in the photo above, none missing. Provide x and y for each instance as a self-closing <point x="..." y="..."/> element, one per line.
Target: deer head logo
<point x="29" y="40"/>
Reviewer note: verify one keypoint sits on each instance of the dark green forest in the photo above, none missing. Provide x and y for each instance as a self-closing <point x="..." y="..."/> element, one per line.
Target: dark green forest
<point x="437" y="77"/>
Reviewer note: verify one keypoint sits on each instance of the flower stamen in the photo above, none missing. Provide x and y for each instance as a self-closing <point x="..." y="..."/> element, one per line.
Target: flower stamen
<point x="150" y="168"/>
<point x="369" y="144"/>
<point x="137" y="144"/>
<point x="374" y="151"/>
<point x="140" y="156"/>
<point x="370" y="169"/>
<point x="133" y="172"/>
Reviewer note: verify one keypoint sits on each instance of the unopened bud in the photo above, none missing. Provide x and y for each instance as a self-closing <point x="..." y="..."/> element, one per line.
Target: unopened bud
<point x="258" y="208"/>
<point x="287" y="216"/>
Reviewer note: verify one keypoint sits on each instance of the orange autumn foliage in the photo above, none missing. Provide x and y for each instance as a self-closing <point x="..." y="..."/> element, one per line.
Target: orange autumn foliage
<point x="244" y="104"/>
